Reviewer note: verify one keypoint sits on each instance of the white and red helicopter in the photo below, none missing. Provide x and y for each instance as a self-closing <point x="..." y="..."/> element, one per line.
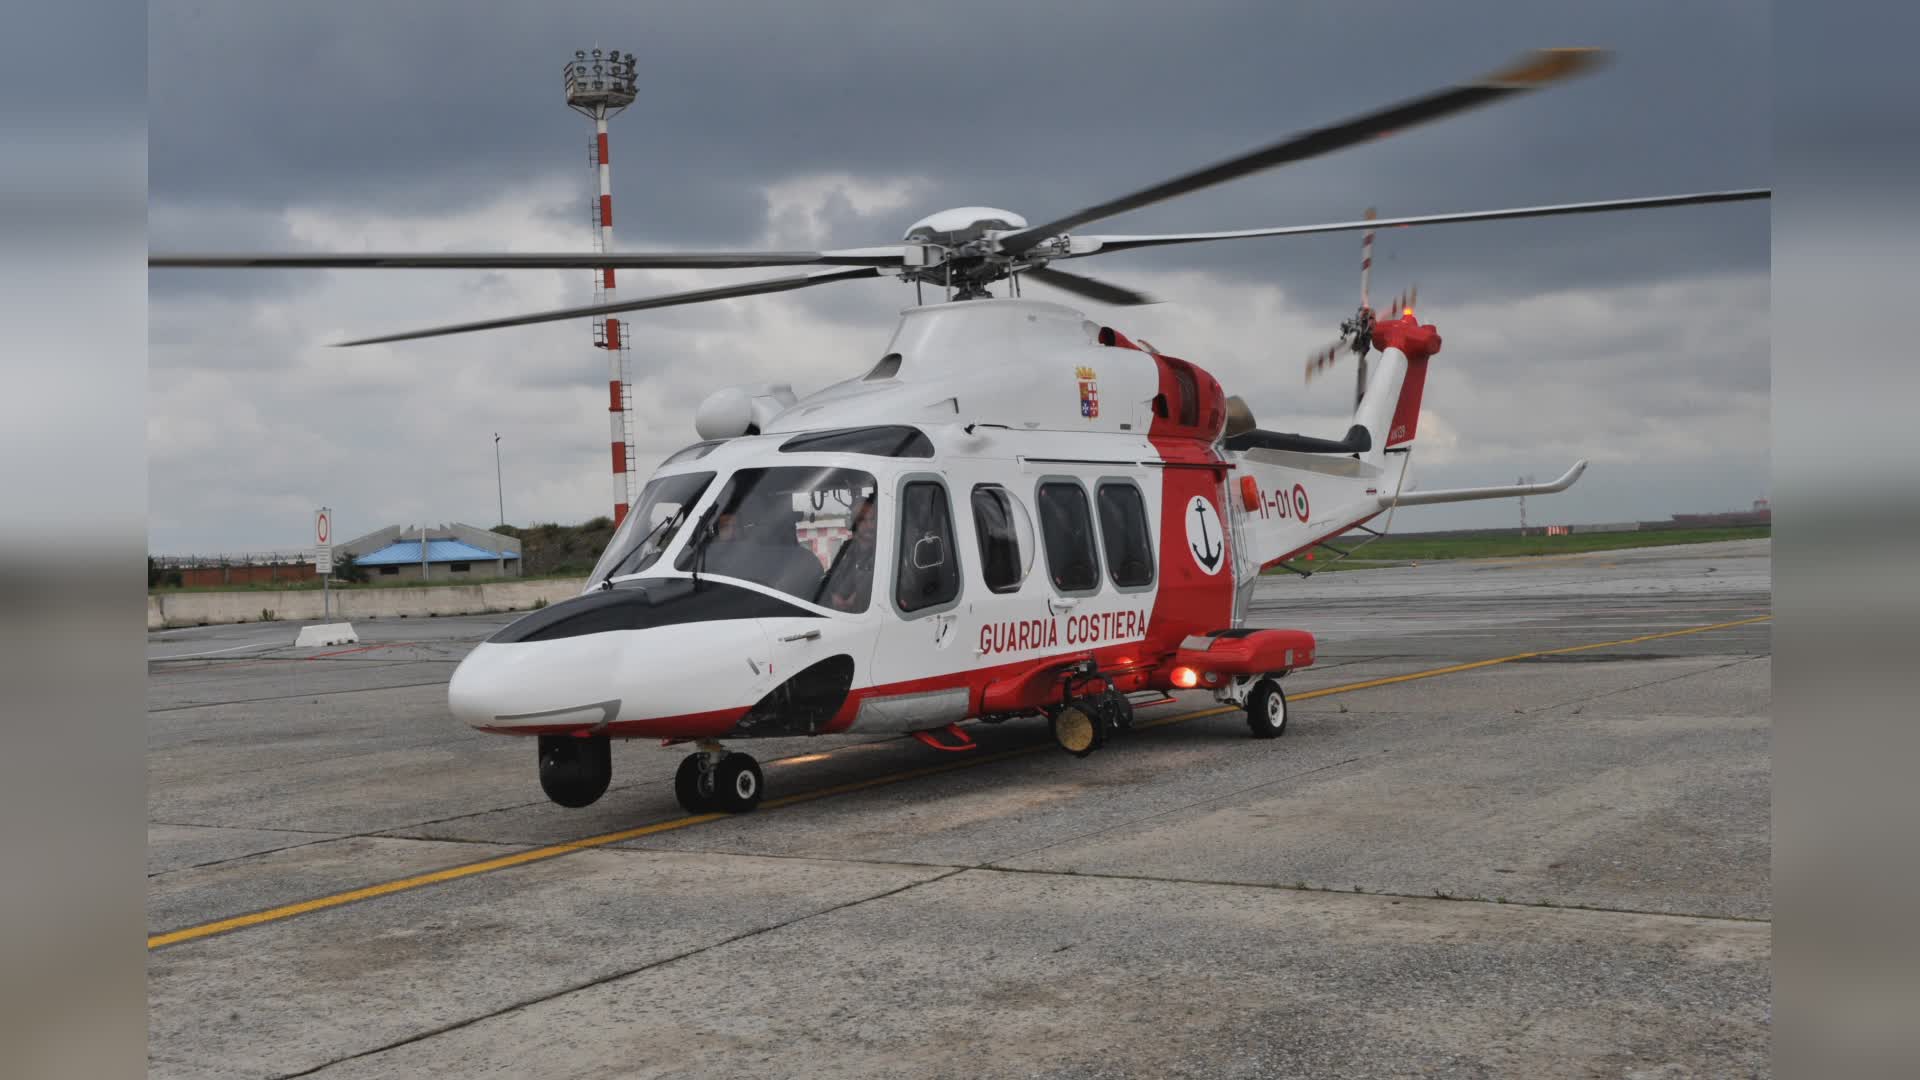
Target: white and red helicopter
<point x="1015" y="511"/>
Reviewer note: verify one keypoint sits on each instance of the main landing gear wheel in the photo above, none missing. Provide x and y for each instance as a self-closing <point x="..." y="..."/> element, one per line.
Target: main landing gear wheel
<point x="733" y="786"/>
<point x="1078" y="731"/>
<point x="575" y="772"/>
<point x="1267" y="709"/>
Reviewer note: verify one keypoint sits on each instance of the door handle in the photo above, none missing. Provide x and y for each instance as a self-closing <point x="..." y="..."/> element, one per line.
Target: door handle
<point x="805" y="635"/>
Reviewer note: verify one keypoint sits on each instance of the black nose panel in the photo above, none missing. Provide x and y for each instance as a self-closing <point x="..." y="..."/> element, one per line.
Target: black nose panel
<point x="802" y="704"/>
<point x="657" y="602"/>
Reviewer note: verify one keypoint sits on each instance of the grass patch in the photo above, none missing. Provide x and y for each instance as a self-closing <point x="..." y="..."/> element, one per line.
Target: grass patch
<point x="1399" y="551"/>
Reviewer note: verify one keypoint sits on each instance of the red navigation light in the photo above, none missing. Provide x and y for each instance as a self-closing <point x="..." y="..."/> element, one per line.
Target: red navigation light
<point x="1185" y="678"/>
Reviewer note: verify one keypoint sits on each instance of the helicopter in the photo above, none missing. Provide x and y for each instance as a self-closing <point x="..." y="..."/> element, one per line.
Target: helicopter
<point x="1016" y="511"/>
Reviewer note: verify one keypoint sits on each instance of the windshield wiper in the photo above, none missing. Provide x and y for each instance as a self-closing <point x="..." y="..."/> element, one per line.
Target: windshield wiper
<point x="607" y="582"/>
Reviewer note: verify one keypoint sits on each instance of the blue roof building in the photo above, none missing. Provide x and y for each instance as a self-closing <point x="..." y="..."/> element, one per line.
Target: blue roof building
<point x="408" y="553"/>
<point x="446" y="552"/>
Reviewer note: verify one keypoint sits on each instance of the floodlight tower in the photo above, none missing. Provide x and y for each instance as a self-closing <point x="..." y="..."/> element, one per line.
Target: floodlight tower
<point x="600" y="85"/>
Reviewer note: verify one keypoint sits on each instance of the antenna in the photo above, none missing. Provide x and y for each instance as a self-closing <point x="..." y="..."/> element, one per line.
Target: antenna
<point x="600" y="84"/>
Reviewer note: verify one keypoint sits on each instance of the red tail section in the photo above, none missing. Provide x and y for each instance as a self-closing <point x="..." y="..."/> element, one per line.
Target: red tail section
<point x="1419" y="343"/>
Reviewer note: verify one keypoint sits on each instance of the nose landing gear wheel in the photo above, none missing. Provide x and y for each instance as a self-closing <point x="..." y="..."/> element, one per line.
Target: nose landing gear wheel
<point x="693" y="784"/>
<point x="575" y="772"/>
<point x="1267" y="709"/>
<point x="733" y="786"/>
<point x="738" y="783"/>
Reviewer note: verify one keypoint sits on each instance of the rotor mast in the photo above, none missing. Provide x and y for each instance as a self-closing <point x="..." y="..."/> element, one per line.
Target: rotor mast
<point x="598" y="86"/>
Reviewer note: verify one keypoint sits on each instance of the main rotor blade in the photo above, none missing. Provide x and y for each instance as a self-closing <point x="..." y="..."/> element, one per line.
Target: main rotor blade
<point x="1081" y="285"/>
<point x="1534" y="70"/>
<point x="1125" y="243"/>
<point x="724" y="292"/>
<point x="667" y="260"/>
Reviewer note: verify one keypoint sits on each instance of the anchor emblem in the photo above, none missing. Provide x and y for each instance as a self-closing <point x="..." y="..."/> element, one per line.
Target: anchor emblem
<point x="1207" y="552"/>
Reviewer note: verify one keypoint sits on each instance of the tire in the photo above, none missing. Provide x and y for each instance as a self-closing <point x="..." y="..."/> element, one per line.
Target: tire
<point x="738" y="784"/>
<point x="1267" y="710"/>
<point x="1078" y="731"/>
<point x="575" y="772"/>
<point x="695" y="797"/>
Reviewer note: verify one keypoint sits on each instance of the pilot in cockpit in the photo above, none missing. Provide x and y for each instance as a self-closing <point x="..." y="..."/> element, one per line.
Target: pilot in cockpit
<point x="849" y="583"/>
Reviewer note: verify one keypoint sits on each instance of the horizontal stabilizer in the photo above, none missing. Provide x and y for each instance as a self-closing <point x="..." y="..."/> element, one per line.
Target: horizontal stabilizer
<point x="1356" y="442"/>
<point x="1510" y="491"/>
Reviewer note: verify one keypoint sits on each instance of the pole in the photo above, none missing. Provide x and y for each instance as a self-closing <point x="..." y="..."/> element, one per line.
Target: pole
<point x="499" y="488"/>
<point x="326" y="579"/>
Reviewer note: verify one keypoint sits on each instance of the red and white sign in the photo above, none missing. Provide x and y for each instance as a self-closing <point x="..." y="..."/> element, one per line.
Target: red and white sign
<point x="323" y="541"/>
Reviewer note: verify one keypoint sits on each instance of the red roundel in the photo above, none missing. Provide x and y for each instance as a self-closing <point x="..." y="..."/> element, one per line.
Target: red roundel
<point x="1300" y="502"/>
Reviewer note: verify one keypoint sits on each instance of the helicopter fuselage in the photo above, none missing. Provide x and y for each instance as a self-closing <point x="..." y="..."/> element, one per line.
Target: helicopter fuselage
<point x="1048" y="501"/>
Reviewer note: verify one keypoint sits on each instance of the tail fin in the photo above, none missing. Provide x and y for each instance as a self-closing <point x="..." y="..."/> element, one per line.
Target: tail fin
<point x="1390" y="408"/>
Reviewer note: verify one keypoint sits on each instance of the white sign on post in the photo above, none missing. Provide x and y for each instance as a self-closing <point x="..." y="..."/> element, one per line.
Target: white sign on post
<point x="323" y="539"/>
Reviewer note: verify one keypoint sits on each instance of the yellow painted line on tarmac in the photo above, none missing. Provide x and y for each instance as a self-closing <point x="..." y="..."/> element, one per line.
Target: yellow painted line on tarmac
<point x="451" y="873"/>
<point x="551" y="851"/>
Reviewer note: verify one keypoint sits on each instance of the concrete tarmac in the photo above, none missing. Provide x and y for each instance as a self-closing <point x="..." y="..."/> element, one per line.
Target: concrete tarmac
<point x="1555" y="865"/>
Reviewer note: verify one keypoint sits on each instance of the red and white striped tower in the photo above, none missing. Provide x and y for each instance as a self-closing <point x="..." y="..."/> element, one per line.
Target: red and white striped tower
<point x="600" y="85"/>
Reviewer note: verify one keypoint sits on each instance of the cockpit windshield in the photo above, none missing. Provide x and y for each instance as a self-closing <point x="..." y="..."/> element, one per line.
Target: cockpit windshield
<point x="806" y="531"/>
<point x="651" y="525"/>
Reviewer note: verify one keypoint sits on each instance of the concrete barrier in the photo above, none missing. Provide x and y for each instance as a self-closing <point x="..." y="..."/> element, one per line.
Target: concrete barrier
<point x="168" y="610"/>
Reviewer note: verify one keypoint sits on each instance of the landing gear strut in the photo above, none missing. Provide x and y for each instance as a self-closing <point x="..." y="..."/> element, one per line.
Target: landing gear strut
<point x="1083" y="724"/>
<point x="575" y="772"/>
<point x="710" y="779"/>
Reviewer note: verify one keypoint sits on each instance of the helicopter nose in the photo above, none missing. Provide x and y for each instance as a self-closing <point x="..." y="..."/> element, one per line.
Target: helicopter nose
<point x="538" y="684"/>
<point x="628" y="677"/>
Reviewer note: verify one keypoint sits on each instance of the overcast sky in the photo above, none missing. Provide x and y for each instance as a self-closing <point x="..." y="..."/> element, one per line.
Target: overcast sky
<point x="1637" y="340"/>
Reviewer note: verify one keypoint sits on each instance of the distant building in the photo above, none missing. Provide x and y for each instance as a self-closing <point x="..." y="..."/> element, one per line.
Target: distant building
<point x="1760" y="514"/>
<point x="244" y="568"/>
<point x="438" y="553"/>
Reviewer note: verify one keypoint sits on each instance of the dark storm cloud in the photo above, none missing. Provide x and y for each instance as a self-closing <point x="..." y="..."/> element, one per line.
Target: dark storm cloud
<point x="436" y="125"/>
<point x="1039" y="108"/>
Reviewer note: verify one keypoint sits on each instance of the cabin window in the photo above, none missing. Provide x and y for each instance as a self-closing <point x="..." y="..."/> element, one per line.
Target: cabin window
<point x="1123" y="528"/>
<point x="651" y="525"/>
<point x="1006" y="538"/>
<point x="927" y="573"/>
<point x="804" y="530"/>
<point x="1066" y="528"/>
<point x="882" y="441"/>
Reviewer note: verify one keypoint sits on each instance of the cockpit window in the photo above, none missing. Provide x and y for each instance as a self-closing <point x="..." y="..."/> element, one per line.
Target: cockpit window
<point x="651" y="525"/>
<point x="805" y="531"/>
<point x="882" y="441"/>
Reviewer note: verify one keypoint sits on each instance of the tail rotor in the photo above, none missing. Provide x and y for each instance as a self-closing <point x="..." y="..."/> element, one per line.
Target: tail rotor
<point x="1356" y="333"/>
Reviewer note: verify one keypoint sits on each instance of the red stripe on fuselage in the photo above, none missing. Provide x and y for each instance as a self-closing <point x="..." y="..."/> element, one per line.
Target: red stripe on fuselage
<point x="1189" y="600"/>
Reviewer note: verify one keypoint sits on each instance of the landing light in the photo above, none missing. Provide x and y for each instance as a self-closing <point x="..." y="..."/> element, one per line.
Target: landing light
<point x="1185" y="678"/>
